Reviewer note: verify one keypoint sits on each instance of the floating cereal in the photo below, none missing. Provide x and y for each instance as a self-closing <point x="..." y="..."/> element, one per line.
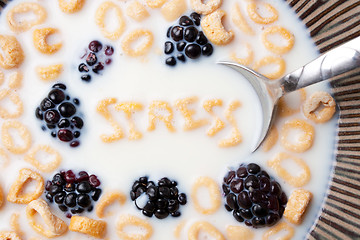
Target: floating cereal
<point x="205" y="8"/>
<point x="128" y="221"/>
<point x="284" y="33"/>
<point x="16" y="192"/>
<point x="7" y="235"/>
<point x="2" y="77"/>
<point x="190" y="123"/>
<point x="1" y="197"/>
<point x="108" y="199"/>
<point x="239" y="233"/>
<point x="303" y="142"/>
<point x="8" y="140"/>
<point x="136" y="35"/>
<point x="15" y="80"/>
<point x="214" y="29"/>
<point x="15" y="99"/>
<point x="40" y="40"/>
<point x="314" y="102"/>
<point x="71" y="6"/>
<point x="236" y="137"/>
<point x="214" y="193"/>
<point x="283" y="226"/>
<point x="155" y="3"/>
<point x="15" y="225"/>
<point x="284" y="110"/>
<point x="129" y="108"/>
<point x="296" y="206"/>
<point x="94" y="228"/>
<point x="4" y="158"/>
<point x="202" y="226"/>
<point x="179" y="227"/>
<point x="137" y="11"/>
<point x="23" y="25"/>
<point x="256" y="17"/>
<point x="280" y="62"/>
<point x="11" y="54"/>
<point x="300" y="179"/>
<point x="49" y="73"/>
<point x="270" y="139"/>
<point x="48" y="167"/>
<point x="173" y="9"/>
<point x="156" y="110"/>
<point x="218" y="124"/>
<point x="244" y="61"/>
<point x="240" y="21"/>
<point x="100" y="16"/>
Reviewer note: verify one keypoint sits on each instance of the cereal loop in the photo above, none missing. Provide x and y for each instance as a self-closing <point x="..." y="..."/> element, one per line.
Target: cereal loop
<point x="15" y="99"/>
<point x="11" y="54"/>
<point x="311" y="106"/>
<point x="218" y="123"/>
<point x="283" y="226"/>
<point x="100" y="16"/>
<point x="48" y="167"/>
<point x="40" y="40"/>
<point x="205" y="8"/>
<point x="7" y="235"/>
<point x="187" y="113"/>
<point x="49" y="73"/>
<point x="284" y="110"/>
<point x="239" y="20"/>
<point x="284" y="33"/>
<point x="256" y="17"/>
<point x="108" y="199"/>
<point x="129" y="108"/>
<point x="16" y="192"/>
<point x="25" y="8"/>
<point x="71" y="6"/>
<point x="4" y="162"/>
<point x="155" y="109"/>
<point x="179" y="227"/>
<point x="246" y="60"/>
<point x="15" y="225"/>
<point x="134" y="36"/>
<point x="303" y="142"/>
<point x="296" y="206"/>
<point x="15" y="80"/>
<point x="269" y="60"/>
<point x="202" y="226"/>
<point x="173" y="9"/>
<point x="236" y="137"/>
<point x="94" y="228"/>
<point x="129" y="220"/>
<point x="214" y="29"/>
<point x="214" y="193"/>
<point x="239" y="233"/>
<point x="297" y="181"/>
<point x="270" y="139"/>
<point x="8" y="141"/>
<point x="137" y="11"/>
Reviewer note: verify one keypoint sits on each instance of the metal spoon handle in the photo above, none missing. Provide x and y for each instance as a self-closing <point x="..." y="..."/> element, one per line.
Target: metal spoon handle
<point x="337" y="61"/>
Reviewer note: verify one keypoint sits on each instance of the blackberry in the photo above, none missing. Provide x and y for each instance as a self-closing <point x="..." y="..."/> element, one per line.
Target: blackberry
<point x="253" y="196"/>
<point x="72" y="193"/>
<point x="159" y="200"/>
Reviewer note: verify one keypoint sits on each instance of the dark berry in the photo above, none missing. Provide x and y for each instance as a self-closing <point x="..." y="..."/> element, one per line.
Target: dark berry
<point x="190" y="34"/>
<point x="185" y="21"/>
<point x="177" y="33"/>
<point x="242" y="172"/>
<point x="237" y="216"/>
<point x="52" y="116"/>
<point x="74" y="144"/>
<point x="67" y="109"/>
<point x="108" y="61"/>
<point x="70" y="200"/>
<point x="109" y="50"/>
<point x="86" y="77"/>
<point x="229" y="177"/>
<point x="193" y="51"/>
<point x="237" y="185"/>
<point x="65" y="135"/>
<point x="161" y="213"/>
<point x="39" y="114"/>
<point x="54" y="189"/>
<point x="59" y="197"/>
<point x="58" y="180"/>
<point x="207" y="49"/>
<point x="180" y="46"/>
<point x="48" y="185"/>
<point x="182" y="199"/>
<point x="70" y="176"/>
<point x="253" y="168"/>
<point x="201" y="38"/>
<point x="78" y="122"/>
<point x="171" y="61"/>
<point x="91" y="59"/>
<point x="49" y="197"/>
<point x="83" y="68"/>
<point x="46" y="104"/>
<point x="59" y="85"/>
<point x="98" y="67"/>
<point x="196" y="17"/>
<point x="63" y="208"/>
<point x="95" y="46"/>
<point x="69" y="187"/>
<point x="94" y="181"/>
<point x="96" y="194"/>
<point x="169" y="47"/>
<point x="83" y="187"/>
<point x="231" y="201"/>
<point x="56" y="96"/>
<point x="83" y="200"/>
<point x="64" y="123"/>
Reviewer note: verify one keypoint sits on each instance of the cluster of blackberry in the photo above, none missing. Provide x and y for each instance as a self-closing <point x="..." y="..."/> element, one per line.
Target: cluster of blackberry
<point x="160" y="200"/>
<point x="59" y="113"/>
<point x="186" y="40"/>
<point x="73" y="193"/>
<point x="253" y="197"/>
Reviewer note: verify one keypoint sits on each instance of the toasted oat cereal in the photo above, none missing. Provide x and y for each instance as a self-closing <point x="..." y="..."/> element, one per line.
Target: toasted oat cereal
<point x="22" y="25"/>
<point x="246" y="60"/>
<point x="214" y="193"/>
<point x="279" y="72"/>
<point x="239" y="20"/>
<point x="137" y="11"/>
<point x="7" y="235"/>
<point x="296" y="206"/>
<point x="283" y="226"/>
<point x="135" y="35"/>
<point x="190" y="123"/>
<point x="94" y="228"/>
<point x="236" y="137"/>
<point x="71" y="6"/>
<point x="155" y="3"/>
<point x="271" y="139"/>
<point x="218" y="123"/>
<point x="4" y="159"/>
<point x="129" y="220"/>
<point x="15" y="99"/>
<point x="173" y="9"/>
<point x="314" y="102"/>
<point x="284" y="110"/>
<point x="49" y="73"/>
<point x="203" y="226"/>
<point x="300" y="179"/>
<point x="205" y="8"/>
<point x="1" y="197"/>
<point x="239" y="233"/>
<point x="11" y="54"/>
<point x="179" y="228"/>
<point x="256" y="17"/>
<point x="108" y="199"/>
<point x="284" y="33"/>
<point x="8" y="141"/>
<point x="40" y="42"/>
<point x="155" y="109"/>
<point x="15" y="225"/>
<point x="16" y="193"/>
<point x="48" y="167"/>
<point x="129" y="108"/>
<point x="214" y="29"/>
<point x="53" y="225"/>
<point x="303" y="142"/>
<point x="15" y="80"/>
<point x="100" y="16"/>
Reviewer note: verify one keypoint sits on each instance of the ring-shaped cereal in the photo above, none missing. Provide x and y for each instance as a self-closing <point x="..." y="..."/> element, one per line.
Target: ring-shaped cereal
<point x="143" y="48"/>
<point x="95" y="228"/>
<point x="11" y="54"/>
<point x="50" y="72"/>
<point x="53" y="225"/>
<point x="71" y="6"/>
<point x="40" y="42"/>
<point x="297" y="181"/>
<point x="239" y="232"/>
<point x="270" y="139"/>
<point x="284" y="33"/>
<point x="108" y="199"/>
<point x="48" y="167"/>
<point x="268" y="61"/>
<point x="256" y="17"/>
<point x="24" y="8"/>
<point x="15" y="225"/>
<point x="100" y="17"/>
<point x="14" y="98"/>
<point x="203" y="226"/>
<point x="304" y="141"/>
<point x="239" y="20"/>
<point x="129" y="220"/>
<point x="312" y="104"/>
<point x="4" y="158"/>
<point x="283" y="226"/>
<point x="215" y="30"/>
<point x="205" y="8"/>
<point x="284" y="110"/>
<point x="15" y="80"/>
<point x="214" y="193"/>
<point x="16" y="194"/>
<point x="7" y="235"/>
<point x="246" y="60"/>
<point x="8" y="141"/>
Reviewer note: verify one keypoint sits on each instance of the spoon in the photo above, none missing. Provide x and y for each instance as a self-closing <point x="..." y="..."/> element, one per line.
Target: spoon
<point x="339" y="60"/>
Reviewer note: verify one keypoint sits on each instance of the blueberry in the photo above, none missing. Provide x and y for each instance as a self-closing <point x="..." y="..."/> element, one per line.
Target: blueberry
<point x="64" y="123"/>
<point x="109" y="50"/>
<point x="180" y="46"/>
<point x="84" y="187"/>
<point x="83" y="200"/>
<point x="52" y="116"/>
<point x="196" y="17"/>
<point x="190" y="34"/>
<point x="70" y="200"/>
<point x="86" y="78"/>
<point x="98" y="67"/>
<point x="169" y="47"/>
<point x="171" y="61"/>
<point x="177" y="33"/>
<point x="91" y="59"/>
<point x="207" y="49"/>
<point x="67" y="109"/>
<point x="83" y="68"/>
<point x="65" y="135"/>
<point x="201" y="38"/>
<point x="95" y="46"/>
<point x="185" y="21"/>
<point x="78" y="122"/>
<point x="39" y="114"/>
<point x="56" y="96"/>
<point x="46" y="104"/>
<point x="193" y="51"/>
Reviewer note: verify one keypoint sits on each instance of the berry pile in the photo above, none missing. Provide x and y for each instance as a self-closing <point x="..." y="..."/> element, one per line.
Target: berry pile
<point x="73" y="193"/>
<point x="95" y="60"/>
<point x="59" y="113"/>
<point x="186" y="40"/>
<point x="253" y="196"/>
<point x="160" y="200"/>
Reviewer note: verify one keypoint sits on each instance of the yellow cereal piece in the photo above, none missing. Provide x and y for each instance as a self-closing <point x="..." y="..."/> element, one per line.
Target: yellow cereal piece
<point x="173" y="9"/>
<point x="155" y="3"/>
<point x="303" y="142"/>
<point x="133" y="221"/>
<point x="129" y="108"/>
<point x="15" y="225"/>
<point x="240" y="21"/>
<point x="256" y="17"/>
<point x="239" y="233"/>
<point x="187" y="113"/>
<point x="179" y="227"/>
<point x="284" y="110"/>
<point x="11" y="55"/>
<point x="271" y="139"/>
<point x="205" y="8"/>
<point x="4" y="162"/>
<point x="218" y="124"/>
<point x="296" y="206"/>
<point x="100" y="16"/>
<point x="214" y="29"/>
<point x="312" y="104"/>
<point x="137" y="11"/>
<point x="265" y="61"/>
<point x="15" y="99"/>
<point x="15" y="80"/>
<point x="94" y="228"/>
<point x="2" y="77"/>
<point x="71" y="6"/>
<point x="16" y="192"/>
<point x="8" y="141"/>
<point x="53" y="226"/>
<point x="214" y="193"/>
<point x="284" y="33"/>
<point x="236" y="137"/>
<point x="300" y="179"/>
<point x="22" y="25"/>
<point x="246" y="60"/>
<point x="40" y="42"/>
<point x="283" y="226"/>
<point x="135" y="36"/>
<point x="31" y="158"/>
<point x="49" y="73"/>
<point x="1" y="197"/>
<point x="7" y="235"/>
<point x="203" y="226"/>
<point x="108" y="199"/>
<point x="155" y="113"/>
